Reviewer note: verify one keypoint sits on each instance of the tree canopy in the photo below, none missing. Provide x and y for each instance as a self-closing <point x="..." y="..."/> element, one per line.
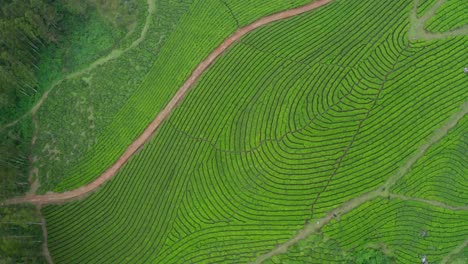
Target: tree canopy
<point x="25" y="27"/>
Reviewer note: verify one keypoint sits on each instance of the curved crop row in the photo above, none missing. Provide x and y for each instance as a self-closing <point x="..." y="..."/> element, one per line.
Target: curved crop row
<point x="442" y="175"/>
<point x="451" y="15"/>
<point x="297" y="118"/>
<point x="405" y="230"/>
<point x="245" y="12"/>
<point x="410" y="229"/>
<point x="88" y="122"/>
<point x="79" y="109"/>
<point x="424" y="5"/>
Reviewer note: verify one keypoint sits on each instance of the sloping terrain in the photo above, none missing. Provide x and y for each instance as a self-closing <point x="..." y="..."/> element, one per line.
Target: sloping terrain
<point x="298" y="118"/>
<point x="89" y="120"/>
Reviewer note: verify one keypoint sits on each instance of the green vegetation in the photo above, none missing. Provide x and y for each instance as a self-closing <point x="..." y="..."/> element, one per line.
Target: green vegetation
<point x="68" y="133"/>
<point x="410" y="229"/>
<point x="370" y="257"/>
<point x="20" y="235"/>
<point x="86" y="40"/>
<point x="296" y="119"/>
<point x="460" y="258"/>
<point x="14" y="161"/>
<point x="424" y="5"/>
<point x="299" y="117"/>
<point x="41" y="42"/>
<point x="116" y="101"/>
<point x="71" y="36"/>
<point x="318" y="251"/>
<point x="321" y="249"/>
<point x="315" y="248"/>
<point x="452" y="14"/>
<point x="399" y="225"/>
<point x="90" y="30"/>
<point x="25" y="27"/>
<point x="441" y="175"/>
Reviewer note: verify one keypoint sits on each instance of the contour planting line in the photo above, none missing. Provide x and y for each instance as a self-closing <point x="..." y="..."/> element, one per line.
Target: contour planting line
<point x="316" y="225"/>
<point x="57" y="198"/>
<point x="114" y="54"/>
<point x="436" y="136"/>
<point x="337" y="165"/>
<point x="417" y="24"/>
<point x="234" y="17"/>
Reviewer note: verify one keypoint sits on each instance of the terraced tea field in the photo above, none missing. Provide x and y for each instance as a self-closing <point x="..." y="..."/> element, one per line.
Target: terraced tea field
<point x="332" y="135"/>
<point x="451" y="15"/>
<point x="113" y="103"/>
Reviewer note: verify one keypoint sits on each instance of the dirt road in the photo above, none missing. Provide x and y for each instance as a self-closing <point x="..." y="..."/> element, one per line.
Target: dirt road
<point x="164" y="114"/>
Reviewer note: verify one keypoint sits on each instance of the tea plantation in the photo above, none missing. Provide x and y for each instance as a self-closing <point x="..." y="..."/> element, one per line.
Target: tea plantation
<point x="294" y="120"/>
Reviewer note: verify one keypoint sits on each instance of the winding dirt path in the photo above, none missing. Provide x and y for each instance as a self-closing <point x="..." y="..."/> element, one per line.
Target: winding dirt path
<point x="57" y="198"/>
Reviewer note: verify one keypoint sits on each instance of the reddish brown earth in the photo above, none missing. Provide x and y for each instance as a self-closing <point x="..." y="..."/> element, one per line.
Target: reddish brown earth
<point x="164" y="114"/>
